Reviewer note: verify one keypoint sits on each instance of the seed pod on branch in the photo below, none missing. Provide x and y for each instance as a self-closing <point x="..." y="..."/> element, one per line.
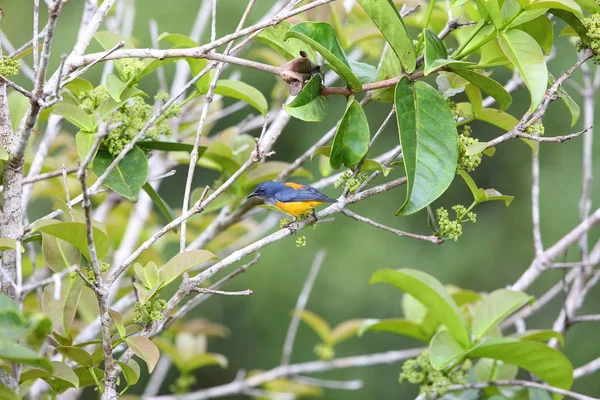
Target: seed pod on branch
<point x="297" y="71"/>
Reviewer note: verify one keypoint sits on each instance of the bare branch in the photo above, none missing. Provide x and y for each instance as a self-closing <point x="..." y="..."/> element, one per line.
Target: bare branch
<point x="587" y="369"/>
<point x="238" y="386"/>
<point x="432" y="239"/>
<point x="202" y="290"/>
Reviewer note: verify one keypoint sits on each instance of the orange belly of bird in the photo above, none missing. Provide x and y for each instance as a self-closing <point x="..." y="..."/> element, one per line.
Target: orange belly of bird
<point x="296" y="208"/>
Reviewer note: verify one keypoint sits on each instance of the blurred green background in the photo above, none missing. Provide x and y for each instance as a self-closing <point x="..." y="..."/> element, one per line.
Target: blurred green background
<point x="491" y="254"/>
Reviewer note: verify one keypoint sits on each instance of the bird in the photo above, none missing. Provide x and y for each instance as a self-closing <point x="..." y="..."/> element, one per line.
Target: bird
<point x="292" y="198"/>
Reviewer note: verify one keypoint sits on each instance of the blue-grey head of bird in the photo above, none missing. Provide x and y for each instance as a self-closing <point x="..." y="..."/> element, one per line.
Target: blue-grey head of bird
<point x="267" y="190"/>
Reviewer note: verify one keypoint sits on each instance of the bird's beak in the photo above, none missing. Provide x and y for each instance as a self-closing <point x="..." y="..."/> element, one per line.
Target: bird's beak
<point x="253" y="194"/>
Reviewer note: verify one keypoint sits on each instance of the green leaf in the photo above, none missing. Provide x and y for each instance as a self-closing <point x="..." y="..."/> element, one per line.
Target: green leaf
<point x="429" y="142"/>
<point x="366" y="73"/>
<point x="169" y="146"/>
<point x="488" y="85"/>
<point x="131" y="371"/>
<point x="432" y="294"/>
<point x="118" y="320"/>
<point x="540" y="335"/>
<point x="269" y="170"/>
<point x="181" y="263"/>
<point x="316" y="323"/>
<point x="309" y="105"/>
<point x="548" y="364"/>
<point x="434" y="50"/>
<point x="487" y="370"/>
<point x="374" y="165"/>
<point x="205" y="360"/>
<point x="444" y="350"/>
<point x="165" y="210"/>
<point x="574" y="22"/>
<point x="148" y="274"/>
<point x="85" y="144"/>
<point x="572" y="106"/>
<point x="58" y="253"/>
<point x="542" y="31"/>
<point x="525" y="54"/>
<point x="494" y="308"/>
<point x="242" y="91"/>
<point x="397" y="326"/>
<point x="526" y="16"/>
<point x="17" y="107"/>
<point x="273" y="36"/>
<point x="351" y="141"/>
<point x="12" y="351"/>
<point x="115" y="86"/>
<point x="75" y="115"/>
<point x="63" y="377"/>
<point x="145" y="349"/>
<point x="8" y="394"/>
<point x="77" y="354"/>
<point x="85" y="376"/>
<point x="75" y="233"/>
<point x="389" y="67"/>
<point x="10" y="244"/>
<point x="78" y="86"/>
<point x="128" y="177"/>
<point x="385" y="16"/>
<point x="482" y="195"/>
<point x="345" y="331"/>
<point x="108" y="40"/>
<point x="321" y="37"/>
<point x="566" y="5"/>
<point x="590" y="6"/>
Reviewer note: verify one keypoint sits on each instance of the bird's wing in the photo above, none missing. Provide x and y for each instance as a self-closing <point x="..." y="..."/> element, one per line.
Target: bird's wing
<point x="297" y="192"/>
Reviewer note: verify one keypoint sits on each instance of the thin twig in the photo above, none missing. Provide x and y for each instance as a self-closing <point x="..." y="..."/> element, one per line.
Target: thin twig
<point x="85" y="69"/>
<point x="67" y="194"/>
<point x="587" y="369"/>
<point x="535" y="204"/>
<point x="202" y="290"/>
<point x="13" y="85"/>
<point x="431" y="239"/>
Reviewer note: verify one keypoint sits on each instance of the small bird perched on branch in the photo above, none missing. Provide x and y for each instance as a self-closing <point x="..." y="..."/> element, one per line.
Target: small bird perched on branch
<point x="292" y="198"/>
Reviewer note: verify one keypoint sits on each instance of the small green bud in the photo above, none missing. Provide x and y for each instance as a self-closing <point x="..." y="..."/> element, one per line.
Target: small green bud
<point x="465" y="162"/>
<point x="301" y="241"/>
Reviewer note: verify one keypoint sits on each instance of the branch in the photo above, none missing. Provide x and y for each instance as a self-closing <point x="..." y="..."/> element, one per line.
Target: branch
<point x="290" y="336"/>
<point x="586" y="318"/>
<point x="202" y="290"/>
<point x="540" y="263"/>
<point x="587" y="369"/>
<point x="432" y="239"/>
<point x="283" y="371"/>
<point x="557" y="139"/>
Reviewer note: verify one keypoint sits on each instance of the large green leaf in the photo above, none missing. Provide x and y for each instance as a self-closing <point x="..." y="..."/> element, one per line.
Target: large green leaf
<point x="242" y="91"/>
<point x="429" y="143"/>
<point x="131" y="371"/>
<point x="444" y="349"/>
<point x="309" y="105"/>
<point x="385" y="16"/>
<point x="351" y="141"/>
<point x="84" y="141"/>
<point x="58" y="253"/>
<point x="321" y="37"/>
<point x="397" y="326"/>
<point x="494" y="308"/>
<point x="181" y="263"/>
<point x="542" y="31"/>
<point x="574" y="22"/>
<point x="548" y="364"/>
<point x="566" y="5"/>
<point x="525" y="53"/>
<point x="145" y="349"/>
<point x="128" y="177"/>
<point x="488" y="85"/>
<point x="75" y="233"/>
<point x="540" y="335"/>
<point x="432" y="294"/>
<point x="273" y="36"/>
